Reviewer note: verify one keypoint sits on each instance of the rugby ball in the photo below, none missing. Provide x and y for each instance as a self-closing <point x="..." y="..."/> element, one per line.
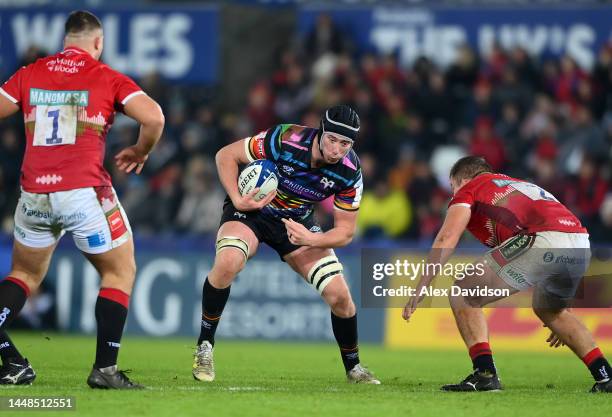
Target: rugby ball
<point x="261" y="174"/>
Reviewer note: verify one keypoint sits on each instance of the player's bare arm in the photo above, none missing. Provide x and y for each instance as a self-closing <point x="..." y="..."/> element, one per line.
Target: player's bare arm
<point x="442" y="249"/>
<point x="228" y="160"/>
<point x="7" y="107"/>
<point x="340" y="235"/>
<point x="148" y="113"/>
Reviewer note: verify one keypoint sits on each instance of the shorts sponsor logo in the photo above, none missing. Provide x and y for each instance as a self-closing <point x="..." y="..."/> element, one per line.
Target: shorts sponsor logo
<point x="96" y="240"/>
<point x="570" y="260"/>
<point x="20" y="232"/>
<point x="548" y="257"/>
<point x="4" y="315"/>
<point x="117" y="225"/>
<point x="516" y="275"/>
<point x="36" y="213"/>
<point x="79" y="215"/>
<point x="516" y="246"/>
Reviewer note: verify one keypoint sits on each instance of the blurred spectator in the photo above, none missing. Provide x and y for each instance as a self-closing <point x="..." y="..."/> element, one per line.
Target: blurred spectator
<point x="548" y="120"/>
<point x="384" y="212"/>
<point x="200" y="208"/>
<point x="260" y="110"/>
<point x="486" y="144"/>
<point x="586" y="194"/>
<point x="324" y="38"/>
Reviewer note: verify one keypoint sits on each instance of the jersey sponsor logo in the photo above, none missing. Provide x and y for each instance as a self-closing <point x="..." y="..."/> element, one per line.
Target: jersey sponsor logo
<point x="69" y="66"/>
<point x="4" y="315"/>
<point x="40" y="97"/>
<point x="566" y="222"/>
<point x="240" y="215"/>
<point x="4" y="345"/>
<point x="300" y="189"/>
<point x="49" y="179"/>
<point x="315" y="229"/>
<point x="327" y="183"/>
<point x="114" y="344"/>
<point x="96" y="240"/>
<point x="548" y="257"/>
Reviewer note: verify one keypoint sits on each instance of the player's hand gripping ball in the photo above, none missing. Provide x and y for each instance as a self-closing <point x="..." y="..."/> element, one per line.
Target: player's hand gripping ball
<point x="261" y="174"/>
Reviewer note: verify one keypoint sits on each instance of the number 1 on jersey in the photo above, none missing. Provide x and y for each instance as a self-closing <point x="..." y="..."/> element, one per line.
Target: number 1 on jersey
<point x="54" y="140"/>
<point x="55" y="125"/>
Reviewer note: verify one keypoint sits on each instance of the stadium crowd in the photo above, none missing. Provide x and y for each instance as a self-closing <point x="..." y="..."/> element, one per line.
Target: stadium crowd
<point x="545" y="120"/>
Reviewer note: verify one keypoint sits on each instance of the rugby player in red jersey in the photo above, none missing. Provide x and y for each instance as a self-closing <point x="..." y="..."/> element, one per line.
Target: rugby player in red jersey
<point x="69" y="101"/>
<point x="533" y="238"/>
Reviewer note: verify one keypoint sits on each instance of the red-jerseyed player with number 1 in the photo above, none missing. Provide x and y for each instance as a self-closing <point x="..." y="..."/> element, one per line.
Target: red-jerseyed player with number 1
<point x="69" y="102"/>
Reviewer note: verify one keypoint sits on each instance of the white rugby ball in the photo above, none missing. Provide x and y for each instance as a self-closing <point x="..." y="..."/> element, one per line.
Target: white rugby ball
<point x="261" y="174"/>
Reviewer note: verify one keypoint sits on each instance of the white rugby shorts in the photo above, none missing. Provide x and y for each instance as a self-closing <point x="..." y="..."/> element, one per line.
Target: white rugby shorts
<point x="555" y="261"/>
<point x="93" y="216"/>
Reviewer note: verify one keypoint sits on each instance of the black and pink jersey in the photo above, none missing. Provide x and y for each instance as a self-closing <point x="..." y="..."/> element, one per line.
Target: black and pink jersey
<point x="300" y="185"/>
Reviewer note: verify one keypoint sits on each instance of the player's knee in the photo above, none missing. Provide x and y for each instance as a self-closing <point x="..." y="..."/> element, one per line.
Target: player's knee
<point x="228" y="263"/>
<point x="547" y="315"/>
<point x="341" y="304"/>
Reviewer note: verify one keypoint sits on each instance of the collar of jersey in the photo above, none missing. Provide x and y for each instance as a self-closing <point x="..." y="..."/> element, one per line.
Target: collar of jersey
<point x="75" y="49"/>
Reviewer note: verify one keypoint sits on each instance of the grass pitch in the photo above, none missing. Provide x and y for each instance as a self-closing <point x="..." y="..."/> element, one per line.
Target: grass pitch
<point x="289" y="379"/>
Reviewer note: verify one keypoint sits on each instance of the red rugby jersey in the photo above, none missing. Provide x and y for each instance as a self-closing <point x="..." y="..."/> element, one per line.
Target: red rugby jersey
<point x="503" y="207"/>
<point x="68" y="102"/>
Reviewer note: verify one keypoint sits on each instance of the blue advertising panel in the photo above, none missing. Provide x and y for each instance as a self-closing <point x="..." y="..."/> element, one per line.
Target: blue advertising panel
<point x="268" y="300"/>
<point x="437" y="33"/>
<point x="181" y="44"/>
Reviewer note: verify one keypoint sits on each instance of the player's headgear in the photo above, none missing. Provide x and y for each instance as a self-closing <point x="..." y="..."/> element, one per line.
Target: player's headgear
<point x="341" y="120"/>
